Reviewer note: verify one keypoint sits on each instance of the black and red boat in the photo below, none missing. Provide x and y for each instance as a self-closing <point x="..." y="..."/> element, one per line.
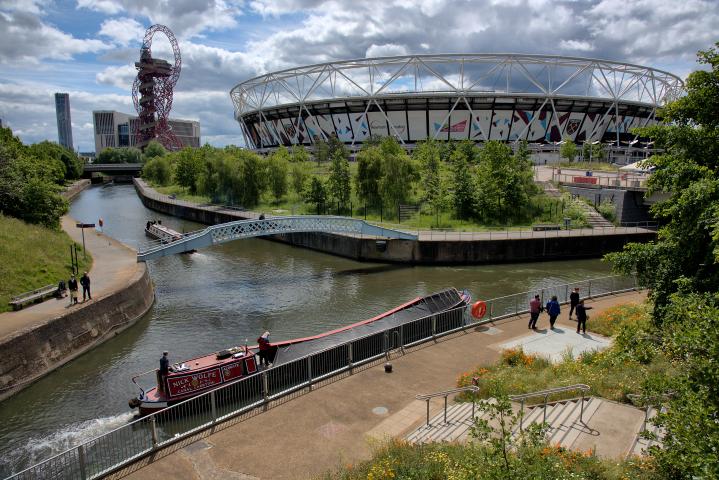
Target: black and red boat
<point x="199" y="375"/>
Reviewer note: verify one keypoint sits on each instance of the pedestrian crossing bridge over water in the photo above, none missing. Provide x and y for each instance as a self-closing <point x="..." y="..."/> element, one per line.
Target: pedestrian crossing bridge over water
<point x="228" y="232"/>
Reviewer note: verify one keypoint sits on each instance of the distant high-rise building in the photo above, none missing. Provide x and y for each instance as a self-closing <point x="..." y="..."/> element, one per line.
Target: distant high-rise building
<point x="64" y="123"/>
<point x="115" y="129"/>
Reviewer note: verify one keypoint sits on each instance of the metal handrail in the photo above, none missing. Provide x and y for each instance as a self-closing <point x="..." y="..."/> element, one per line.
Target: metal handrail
<point x="428" y="396"/>
<point x="651" y="401"/>
<point x="546" y="393"/>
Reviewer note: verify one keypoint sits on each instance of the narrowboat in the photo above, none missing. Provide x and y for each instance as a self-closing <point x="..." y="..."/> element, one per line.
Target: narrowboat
<point x="196" y="376"/>
<point x="156" y="230"/>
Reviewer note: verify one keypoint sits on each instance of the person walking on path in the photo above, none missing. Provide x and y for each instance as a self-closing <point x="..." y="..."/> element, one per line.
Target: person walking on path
<point x="535" y="308"/>
<point x="582" y="316"/>
<point x="573" y="301"/>
<point x="85" y="282"/>
<point x="553" y="310"/>
<point x="72" y="286"/>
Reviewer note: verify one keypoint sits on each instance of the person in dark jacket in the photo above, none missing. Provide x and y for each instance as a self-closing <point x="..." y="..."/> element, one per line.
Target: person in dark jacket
<point x="267" y="351"/>
<point x="553" y="310"/>
<point x="85" y="282"/>
<point x="164" y="370"/>
<point x="582" y="316"/>
<point x="72" y="286"/>
<point x="573" y="301"/>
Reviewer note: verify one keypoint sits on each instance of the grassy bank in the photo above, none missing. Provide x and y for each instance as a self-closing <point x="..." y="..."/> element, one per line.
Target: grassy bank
<point x="32" y="257"/>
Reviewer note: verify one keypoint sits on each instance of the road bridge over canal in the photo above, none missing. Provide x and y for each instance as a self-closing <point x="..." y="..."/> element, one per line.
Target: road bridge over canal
<point x="231" y="231"/>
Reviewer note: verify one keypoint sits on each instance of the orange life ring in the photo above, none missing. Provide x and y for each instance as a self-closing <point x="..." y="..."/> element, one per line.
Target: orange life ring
<point x="479" y="308"/>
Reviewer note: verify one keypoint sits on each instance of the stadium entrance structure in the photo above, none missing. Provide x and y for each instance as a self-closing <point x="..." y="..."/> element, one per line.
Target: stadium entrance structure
<point x="507" y="97"/>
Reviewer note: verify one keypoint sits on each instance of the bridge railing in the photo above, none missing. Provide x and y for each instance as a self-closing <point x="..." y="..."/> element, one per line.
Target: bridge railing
<point x="118" y="448"/>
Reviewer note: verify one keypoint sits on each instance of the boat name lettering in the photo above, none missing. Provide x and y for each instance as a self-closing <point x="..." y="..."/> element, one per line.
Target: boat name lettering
<point x="194" y="382"/>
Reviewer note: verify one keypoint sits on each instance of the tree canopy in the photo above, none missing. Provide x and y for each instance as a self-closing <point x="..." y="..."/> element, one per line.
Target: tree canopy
<point x="680" y="268"/>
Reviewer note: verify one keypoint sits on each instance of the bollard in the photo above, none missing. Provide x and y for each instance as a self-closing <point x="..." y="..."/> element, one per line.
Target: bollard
<point x="388" y="367"/>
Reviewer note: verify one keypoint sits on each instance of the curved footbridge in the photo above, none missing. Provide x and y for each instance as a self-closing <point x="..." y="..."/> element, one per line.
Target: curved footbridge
<point x="228" y="232"/>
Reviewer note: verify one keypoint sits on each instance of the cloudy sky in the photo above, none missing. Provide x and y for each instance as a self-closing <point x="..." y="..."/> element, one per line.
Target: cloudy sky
<point x="87" y="47"/>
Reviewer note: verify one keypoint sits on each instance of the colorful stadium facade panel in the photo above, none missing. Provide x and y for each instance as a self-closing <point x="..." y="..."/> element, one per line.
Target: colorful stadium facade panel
<point x="480" y="97"/>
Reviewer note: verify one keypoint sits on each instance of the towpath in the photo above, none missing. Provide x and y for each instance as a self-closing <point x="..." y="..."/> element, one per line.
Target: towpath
<point x="334" y="424"/>
<point x="114" y="265"/>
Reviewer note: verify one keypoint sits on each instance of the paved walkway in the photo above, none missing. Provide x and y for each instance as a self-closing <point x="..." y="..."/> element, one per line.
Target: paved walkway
<point x="330" y="426"/>
<point x="114" y="265"/>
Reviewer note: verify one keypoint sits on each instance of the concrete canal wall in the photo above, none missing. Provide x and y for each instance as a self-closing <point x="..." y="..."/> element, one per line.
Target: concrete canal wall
<point x="436" y="252"/>
<point x="31" y="354"/>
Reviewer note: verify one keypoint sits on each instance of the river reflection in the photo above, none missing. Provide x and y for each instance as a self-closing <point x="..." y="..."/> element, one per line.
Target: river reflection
<point x="216" y="298"/>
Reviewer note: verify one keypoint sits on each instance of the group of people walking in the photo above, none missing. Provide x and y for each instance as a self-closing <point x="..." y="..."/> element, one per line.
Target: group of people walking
<point x="553" y="310"/>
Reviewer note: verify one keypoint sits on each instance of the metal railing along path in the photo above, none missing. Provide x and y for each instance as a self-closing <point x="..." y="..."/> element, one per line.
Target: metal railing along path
<point x="429" y="396"/>
<point x="113" y="450"/>
<point x="546" y="394"/>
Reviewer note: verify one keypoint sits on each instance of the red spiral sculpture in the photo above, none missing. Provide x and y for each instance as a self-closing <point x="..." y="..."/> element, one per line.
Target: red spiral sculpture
<point x="152" y="92"/>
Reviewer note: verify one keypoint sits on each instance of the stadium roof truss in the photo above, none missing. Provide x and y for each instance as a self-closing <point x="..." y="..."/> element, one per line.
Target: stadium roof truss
<point x="459" y="77"/>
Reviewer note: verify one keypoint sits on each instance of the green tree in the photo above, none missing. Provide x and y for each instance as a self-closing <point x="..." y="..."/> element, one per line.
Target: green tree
<point x="72" y="165"/>
<point x="336" y="147"/>
<point x="188" y="166"/>
<point x="463" y="198"/>
<point x="158" y="170"/>
<point x="152" y="150"/>
<point x="399" y="173"/>
<point x="253" y="178"/>
<point x="682" y="274"/>
<point x="340" y="180"/>
<point x="316" y="193"/>
<point x="568" y="149"/>
<point x="369" y="174"/>
<point x="322" y="151"/>
<point x="28" y="185"/>
<point x="299" y="154"/>
<point x="277" y="167"/>
<point x="505" y="182"/>
<point x="119" y="155"/>
<point x="298" y="177"/>
<point x="427" y="156"/>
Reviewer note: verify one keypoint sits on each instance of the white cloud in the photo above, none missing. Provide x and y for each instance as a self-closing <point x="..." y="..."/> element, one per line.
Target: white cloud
<point x="122" y="31"/>
<point x="120" y="76"/>
<point x="27" y="38"/>
<point x="105" y="6"/>
<point x="386" y="50"/>
<point x="578" y="45"/>
<point x="29" y="6"/>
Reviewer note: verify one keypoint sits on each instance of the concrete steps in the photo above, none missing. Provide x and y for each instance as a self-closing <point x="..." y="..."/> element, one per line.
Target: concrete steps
<point x="459" y="421"/>
<point x="562" y="418"/>
<point x="641" y="445"/>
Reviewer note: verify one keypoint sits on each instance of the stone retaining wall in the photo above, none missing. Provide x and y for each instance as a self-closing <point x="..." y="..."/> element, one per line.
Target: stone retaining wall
<point x="428" y="252"/>
<point x="29" y="355"/>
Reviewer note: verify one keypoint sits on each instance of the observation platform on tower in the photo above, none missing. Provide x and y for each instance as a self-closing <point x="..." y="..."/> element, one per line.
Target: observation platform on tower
<point x="231" y="231"/>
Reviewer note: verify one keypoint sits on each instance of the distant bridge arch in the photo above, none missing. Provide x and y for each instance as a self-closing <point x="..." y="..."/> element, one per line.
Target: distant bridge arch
<point x="228" y="232"/>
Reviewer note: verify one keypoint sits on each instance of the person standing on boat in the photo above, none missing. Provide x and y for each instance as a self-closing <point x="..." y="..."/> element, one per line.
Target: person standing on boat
<point x="265" y="349"/>
<point x="85" y="282"/>
<point x="164" y="370"/>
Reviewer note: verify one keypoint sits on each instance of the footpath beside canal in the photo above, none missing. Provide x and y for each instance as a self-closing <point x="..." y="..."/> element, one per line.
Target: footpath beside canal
<point x="40" y="338"/>
<point x="336" y="423"/>
<point x="432" y="247"/>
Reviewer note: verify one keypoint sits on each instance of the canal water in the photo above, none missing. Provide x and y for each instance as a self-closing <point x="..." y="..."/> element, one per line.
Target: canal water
<point x="219" y="297"/>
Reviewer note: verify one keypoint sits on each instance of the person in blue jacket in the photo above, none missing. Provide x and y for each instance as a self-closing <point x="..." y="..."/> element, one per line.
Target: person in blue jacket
<point x="553" y="310"/>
